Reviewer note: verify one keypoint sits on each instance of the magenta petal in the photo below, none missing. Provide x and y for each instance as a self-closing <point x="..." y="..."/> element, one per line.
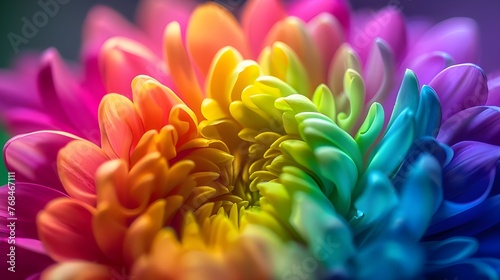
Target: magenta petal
<point x="22" y="120"/>
<point x="33" y="157"/>
<point x="388" y="25"/>
<point x="457" y="37"/>
<point x="18" y="87"/>
<point x="308" y="9"/>
<point x="474" y="124"/>
<point x="63" y="96"/>
<point x="30" y="199"/>
<point x="460" y="87"/>
<point x="28" y="263"/>
<point x="494" y="90"/>
<point x="428" y="65"/>
<point x="258" y="18"/>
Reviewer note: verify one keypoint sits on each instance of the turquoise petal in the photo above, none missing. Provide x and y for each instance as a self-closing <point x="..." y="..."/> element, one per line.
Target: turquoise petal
<point x="428" y="117"/>
<point x="393" y="147"/>
<point x="408" y="96"/>
<point x="421" y="195"/>
<point x="377" y="200"/>
<point x="326" y="233"/>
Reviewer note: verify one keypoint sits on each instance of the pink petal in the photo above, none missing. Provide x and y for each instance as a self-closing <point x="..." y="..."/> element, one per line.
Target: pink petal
<point x="327" y="33"/>
<point x="103" y="23"/>
<point x="308" y="9"/>
<point x="258" y="18"/>
<point x="153" y="15"/>
<point x="388" y="25"/>
<point x="123" y="59"/>
<point x="33" y="157"/>
<point x="30" y="199"/>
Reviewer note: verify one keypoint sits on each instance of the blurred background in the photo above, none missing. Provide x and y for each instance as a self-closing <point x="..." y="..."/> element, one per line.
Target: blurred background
<point x="63" y="30"/>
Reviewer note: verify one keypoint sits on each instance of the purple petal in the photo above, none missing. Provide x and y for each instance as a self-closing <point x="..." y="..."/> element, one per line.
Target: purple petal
<point x="33" y="157"/>
<point x="474" y="124"/>
<point x="460" y="87"/>
<point x="458" y="37"/>
<point x="428" y="65"/>
<point x="494" y="90"/>
<point x="30" y="199"/>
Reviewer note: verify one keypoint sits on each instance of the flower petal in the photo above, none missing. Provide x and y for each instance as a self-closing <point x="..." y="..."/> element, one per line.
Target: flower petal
<point x="458" y="37"/>
<point x="308" y="9"/>
<point x="33" y="157"/>
<point x="473" y="124"/>
<point x="428" y="65"/>
<point x="210" y="28"/>
<point x="82" y="270"/>
<point x="388" y="25"/>
<point x="258" y="18"/>
<point x="153" y="15"/>
<point x="122" y="59"/>
<point x="460" y="87"/>
<point x="30" y="199"/>
<point x="65" y="228"/>
<point x="77" y="164"/>
<point x="120" y="124"/>
<point x="63" y="97"/>
<point x="182" y="70"/>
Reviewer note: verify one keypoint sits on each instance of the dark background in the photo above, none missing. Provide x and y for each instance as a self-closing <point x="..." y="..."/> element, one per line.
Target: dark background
<point x="64" y="29"/>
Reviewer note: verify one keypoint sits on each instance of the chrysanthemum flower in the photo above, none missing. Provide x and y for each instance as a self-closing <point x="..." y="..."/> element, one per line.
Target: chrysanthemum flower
<point x="281" y="148"/>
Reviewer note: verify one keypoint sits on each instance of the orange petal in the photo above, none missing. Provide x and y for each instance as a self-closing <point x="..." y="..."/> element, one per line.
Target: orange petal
<point x="181" y="69"/>
<point x="76" y="165"/>
<point x="79" y="270"/>
<point x="143" y="230"/>
<point x="210" y="28"/>
<point x="154" y="101"/>
<point x="120" y="124"/>
<point x="65" y="228"/>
